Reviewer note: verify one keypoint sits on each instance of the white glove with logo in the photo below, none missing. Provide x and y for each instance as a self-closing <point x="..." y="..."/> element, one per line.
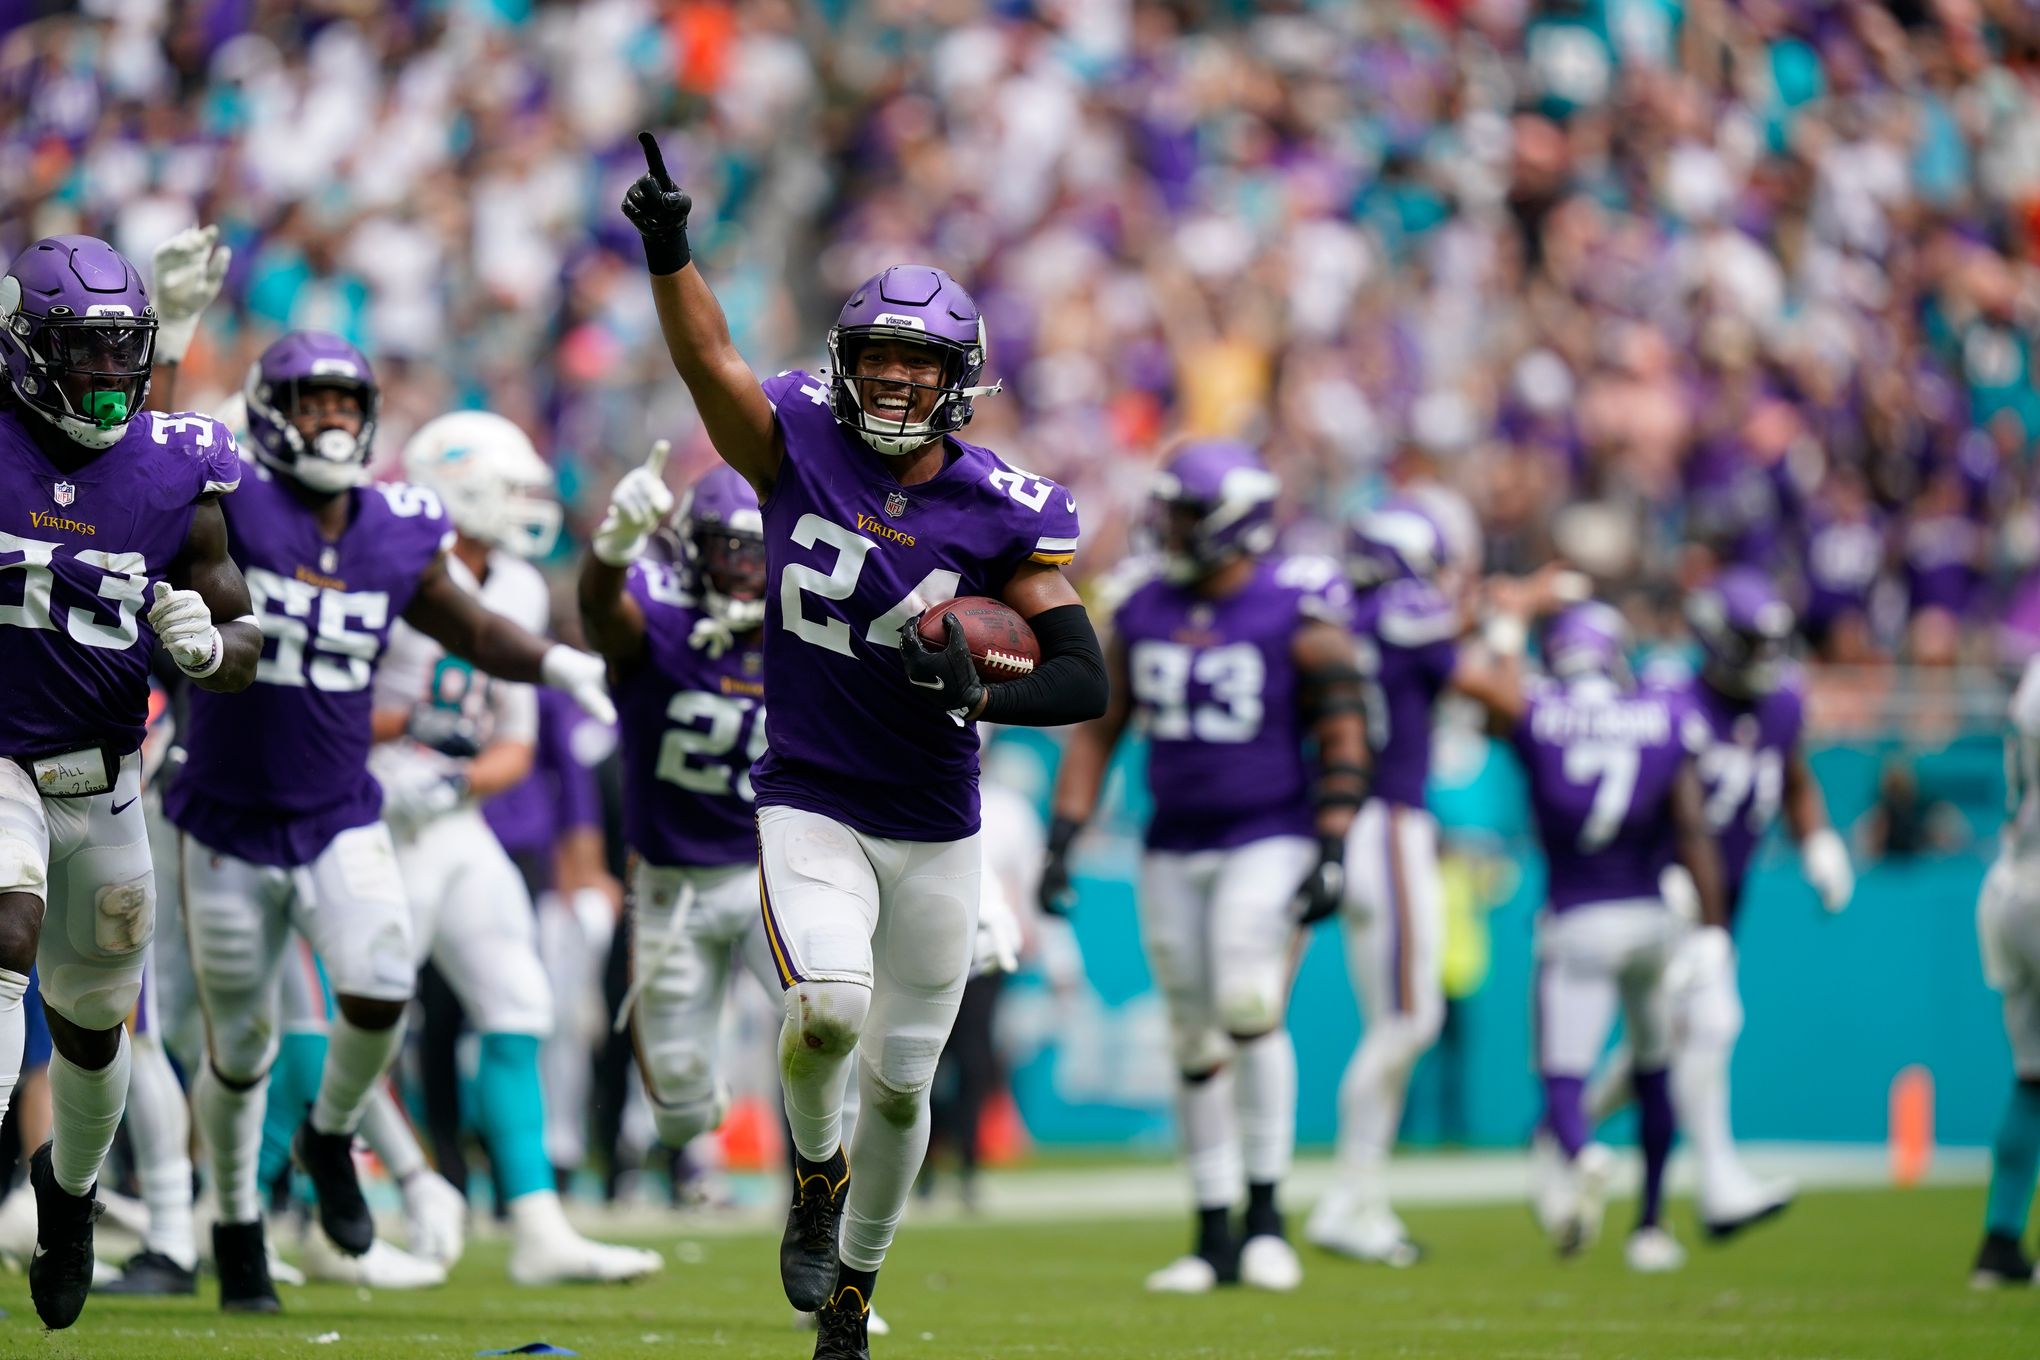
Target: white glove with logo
<point x="584" y="677"/>
<point x="638" y="505"/>
<point x="416" y="795"/>
<point x="997" y="947"/>
<point x="183" y="625"/>
<point x="1700" y="961"/>
<point x="1824" y="859"/>
<point x="189" y="269"/>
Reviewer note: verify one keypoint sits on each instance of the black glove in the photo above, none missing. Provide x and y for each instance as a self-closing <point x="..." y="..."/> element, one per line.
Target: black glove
<point x="1324" y="887"/>
<point x="658" y="209"/>
<point x="946" y="673"/>
<point x="446" y="730"/>
<point x="1055" y="896"/>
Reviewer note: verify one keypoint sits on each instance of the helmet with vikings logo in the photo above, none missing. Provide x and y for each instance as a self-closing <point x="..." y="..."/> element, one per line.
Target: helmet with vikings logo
<point x="1395" y="541"/>
<point x="332" y="459"/>
<point x="722" y="540"/>
<point x="913" y="305"/>
<point x="79" y="337"/>
<point x="1744" y="627"/>
<point x="1214" y="501"/>
<point x="1587" y="640"/>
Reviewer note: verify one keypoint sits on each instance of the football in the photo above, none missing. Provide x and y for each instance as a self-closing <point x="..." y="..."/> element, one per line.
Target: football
<point x="1001" y="643"/>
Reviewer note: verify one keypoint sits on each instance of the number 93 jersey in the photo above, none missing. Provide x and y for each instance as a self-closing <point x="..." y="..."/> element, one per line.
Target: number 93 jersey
<point x="852" y="555"/>
<point x="80" y="552"/>
<point x="1214" y="687"/>
<point x="1600" y="764"/>
<point x="277" y="770"/>
<point x="690" y="724"/>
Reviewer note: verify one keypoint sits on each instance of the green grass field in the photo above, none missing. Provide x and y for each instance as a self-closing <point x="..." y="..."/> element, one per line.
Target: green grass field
<point x="1879" y="1275"/>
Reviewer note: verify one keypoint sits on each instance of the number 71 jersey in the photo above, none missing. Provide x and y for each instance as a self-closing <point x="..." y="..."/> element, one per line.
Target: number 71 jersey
<point x="852" y="555"/>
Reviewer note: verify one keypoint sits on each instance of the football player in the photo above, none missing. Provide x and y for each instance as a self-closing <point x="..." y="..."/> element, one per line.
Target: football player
<point x="278" y="812"/>
<point x="873" y="509"/>
<point x="1754" y="767"/>
<point x="2008" y="930"/>
<point x="118" y="545"/>
<point x="448" y="736"/>
<point x="1229" y="661"/>
<point x="1616" y="797"/>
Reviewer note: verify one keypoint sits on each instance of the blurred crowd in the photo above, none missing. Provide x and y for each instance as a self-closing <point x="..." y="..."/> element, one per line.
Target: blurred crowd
<point x="1654" y="283"/>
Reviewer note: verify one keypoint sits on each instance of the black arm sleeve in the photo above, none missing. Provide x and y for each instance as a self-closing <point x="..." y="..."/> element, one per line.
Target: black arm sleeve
<point x="1068" y="686"/>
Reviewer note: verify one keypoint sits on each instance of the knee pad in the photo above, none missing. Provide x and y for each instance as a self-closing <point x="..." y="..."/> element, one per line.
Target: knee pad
<point x="93" y="995"/>
<point x="827" y="1017"/>
<point x="242" y="1048"/>
<point x="1710" y="1019"/>
<point x="24" y="867"/>
<point x="1200" y="1048"/>
<point x="680" y="1124"/>
<point x="1250" y="1009"/>
<point x="899" y="1105"/>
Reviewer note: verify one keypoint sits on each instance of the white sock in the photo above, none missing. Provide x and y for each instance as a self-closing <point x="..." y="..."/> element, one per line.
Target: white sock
<point x="13" y="1034"/>
<point x="1209" y="1127"/>
<point x="884" y="1161"/>
<point x="356" y="1059"/>
<point x="1266" y="1091"/>
<point x="1612" y="1088"/>
<point x="85" y="1106"/>
<point x="390" y="1136"/>
<point x="232" y="1123"/>
<point x="1700" y="1094"/>
<point x="159" y="1131"/>
<point x="1371" y="1097"/>
<point x="538" y="1216"/>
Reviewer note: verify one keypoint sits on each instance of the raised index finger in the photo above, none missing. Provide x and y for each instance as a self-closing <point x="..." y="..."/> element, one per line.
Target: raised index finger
<point x="654" y="159"/>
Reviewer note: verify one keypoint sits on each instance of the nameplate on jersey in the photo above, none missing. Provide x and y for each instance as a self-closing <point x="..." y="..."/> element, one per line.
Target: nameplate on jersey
<point x="79" y="774"/>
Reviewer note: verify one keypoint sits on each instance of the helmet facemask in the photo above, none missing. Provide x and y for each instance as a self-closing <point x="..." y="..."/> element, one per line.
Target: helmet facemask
<point x="333" y="457"/>
<point x="87" y="375"/>
<point x="729" y="562"/>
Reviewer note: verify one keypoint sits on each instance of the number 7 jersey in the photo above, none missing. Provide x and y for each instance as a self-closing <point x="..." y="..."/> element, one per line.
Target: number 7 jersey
<point x="852" y="555"/>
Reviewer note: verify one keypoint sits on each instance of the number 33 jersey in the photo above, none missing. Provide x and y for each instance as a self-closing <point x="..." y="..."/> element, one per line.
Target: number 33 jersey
<point x="1214" y="688"/>
<point x="1600" y="764"/>
<point x="852" y="555"/>
<point x="81" y="549"/>
<point x="277" y="770"/>
<point x="689" y="726"/>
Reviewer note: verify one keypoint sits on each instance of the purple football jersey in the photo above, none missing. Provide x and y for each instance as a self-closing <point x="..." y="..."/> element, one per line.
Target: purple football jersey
<point x="279" y="769"/>
<point x="1408" y="641"/>
<point x="1600" y="764"/>
<point x="692" y="726"/>
<point x="1214" y="686"/>
<point x="528" y="817"/>
<point x="853" y="555"/>
<point x="1743" y="765"/>
<point x="78" y="573"/>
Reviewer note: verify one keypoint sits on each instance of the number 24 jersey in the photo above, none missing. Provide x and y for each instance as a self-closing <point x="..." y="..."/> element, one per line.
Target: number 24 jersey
<point x="852" y="555"/>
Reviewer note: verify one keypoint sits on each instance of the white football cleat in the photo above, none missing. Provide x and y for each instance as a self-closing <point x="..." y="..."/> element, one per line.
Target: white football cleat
<point x="1184" y="1275"/>
<point x="874" y="1325"/>
<point x="18" y="1225"/>
<point x="382" y="1266"/>
<point x="1653" y="1251"/>
<point x="1268" y="1262"/>
<point x="435" y="1218"/>
<point x="1378" y="1238"/>
<point x="1744" y="1205"/>
<point x="1593" y="1168"/>
<point x="569" y="1258"/>
<point x="1328" y="1221"/>
<point x="280" y="1270"/>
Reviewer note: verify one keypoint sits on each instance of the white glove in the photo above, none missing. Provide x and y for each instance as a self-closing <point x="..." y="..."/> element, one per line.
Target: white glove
<point x="1676" y="886"/>
<point x="435" y="1218"/>
<point x="189" y="269"/>
<point x="1703" y="959"/>
<point x="414" y="795"/>
<point x="638" y="505"/>
<point x="183" y="625"/>
<point x="584" y="677"/>
<point x="997" y="946"/>
<point x="1824" y="859"/>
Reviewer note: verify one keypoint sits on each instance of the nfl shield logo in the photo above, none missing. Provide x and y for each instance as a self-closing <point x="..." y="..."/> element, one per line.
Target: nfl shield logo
<point x="895" y="504"/>
<point x="64" y="493"/>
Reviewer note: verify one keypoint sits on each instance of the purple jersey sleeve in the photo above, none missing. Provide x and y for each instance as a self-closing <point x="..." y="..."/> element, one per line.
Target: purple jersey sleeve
<point x="1745" y="744"/>
<point x="1408" y="644"/>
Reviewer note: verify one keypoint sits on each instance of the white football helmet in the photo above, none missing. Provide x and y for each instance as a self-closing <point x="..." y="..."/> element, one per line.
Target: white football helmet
<point x="496" y="487"/>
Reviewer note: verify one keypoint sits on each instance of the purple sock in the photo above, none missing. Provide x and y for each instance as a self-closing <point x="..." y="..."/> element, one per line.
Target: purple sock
<point x="1655" y="1127"/>
<point x="1565" y="1112"/>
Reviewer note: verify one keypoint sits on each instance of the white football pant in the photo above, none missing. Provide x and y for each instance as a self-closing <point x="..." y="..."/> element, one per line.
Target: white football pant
<point x="471" y="915"/>
<point x="1591" y="960"/>
<point x="2008" y="932"/>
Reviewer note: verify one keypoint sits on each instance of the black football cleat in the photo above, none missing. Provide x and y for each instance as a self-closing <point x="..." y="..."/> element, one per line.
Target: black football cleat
<point x="241" y="1255"/>
<point x="151" y="1274"/>
<point x="2000" y="1264"/>
<point x="60" y="1273"/>
<point x="328" y="1160"/>
<point x="840" y="1327"/>
<point x="814" y="1221"/>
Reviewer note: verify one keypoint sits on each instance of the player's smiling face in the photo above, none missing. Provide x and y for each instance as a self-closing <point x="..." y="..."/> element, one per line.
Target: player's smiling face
<point x="897" y="380"/>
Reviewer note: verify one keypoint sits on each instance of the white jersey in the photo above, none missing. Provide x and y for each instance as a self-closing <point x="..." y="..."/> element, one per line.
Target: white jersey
<point x="2022" y="770"/>
<point x="416" y="670"/>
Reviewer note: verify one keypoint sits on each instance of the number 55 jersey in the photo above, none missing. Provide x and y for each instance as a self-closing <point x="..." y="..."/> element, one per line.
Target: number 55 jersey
<point x="852" y="555"/>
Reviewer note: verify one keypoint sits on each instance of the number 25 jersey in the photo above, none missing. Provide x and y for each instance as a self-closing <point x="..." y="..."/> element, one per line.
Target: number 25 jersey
<point x="852" y="555"/>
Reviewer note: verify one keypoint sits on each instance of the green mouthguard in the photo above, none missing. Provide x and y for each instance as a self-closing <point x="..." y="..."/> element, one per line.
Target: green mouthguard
<point x="108" y="408"/>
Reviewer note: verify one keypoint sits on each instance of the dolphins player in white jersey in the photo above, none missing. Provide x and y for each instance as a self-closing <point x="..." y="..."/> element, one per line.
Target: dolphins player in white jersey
<point x="447" y="736"/>
<point x="2008" y="928"/>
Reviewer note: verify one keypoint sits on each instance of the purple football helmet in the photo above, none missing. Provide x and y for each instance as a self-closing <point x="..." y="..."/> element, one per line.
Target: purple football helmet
<point x="722" y="540"/>
<point x="919" y="305"/>
<point x="333" y="459"/>
<point x="1587" y="640"/>
<point x="1744" y="627"/>
<point x="1213" y="501"/>
<point x="79" y="337"/>
<point x="1395" y="541"/>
